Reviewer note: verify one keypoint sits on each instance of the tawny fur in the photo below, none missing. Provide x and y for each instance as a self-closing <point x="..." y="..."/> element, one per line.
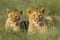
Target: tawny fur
<point x="48" y="19"/>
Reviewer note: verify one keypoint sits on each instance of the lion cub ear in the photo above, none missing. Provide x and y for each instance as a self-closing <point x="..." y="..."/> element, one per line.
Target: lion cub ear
<point x="21" y="12"/>
<point x="8" y="10"/>
<point x="42" y="10"/>
<point x="29" y="10"/>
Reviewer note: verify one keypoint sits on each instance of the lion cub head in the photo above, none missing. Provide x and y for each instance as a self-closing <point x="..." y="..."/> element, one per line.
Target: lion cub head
<point x="14" y="15"/>
<point x="36" y="16"/>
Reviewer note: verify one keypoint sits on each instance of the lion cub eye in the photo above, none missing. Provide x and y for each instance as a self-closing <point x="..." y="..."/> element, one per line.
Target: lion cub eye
<point x="10" y="15"/>
<point x="39" y="15"/>
<point x="33" y="15"/>
<point x="16" y="16"/>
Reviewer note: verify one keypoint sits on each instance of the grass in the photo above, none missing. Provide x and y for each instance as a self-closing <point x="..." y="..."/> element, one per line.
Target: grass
<point x="52" y="9"/>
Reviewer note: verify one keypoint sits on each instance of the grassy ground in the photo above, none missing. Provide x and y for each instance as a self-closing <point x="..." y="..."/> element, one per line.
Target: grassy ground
<point x="53" y="9"/>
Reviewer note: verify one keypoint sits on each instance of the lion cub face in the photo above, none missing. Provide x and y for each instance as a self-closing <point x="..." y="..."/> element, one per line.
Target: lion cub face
<point x="14" y="15"/>
<point x="36" y="16"/>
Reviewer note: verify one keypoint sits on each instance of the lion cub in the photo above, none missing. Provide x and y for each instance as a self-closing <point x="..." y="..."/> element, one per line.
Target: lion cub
<point x="36" y="20"/>
<point x="13" y="20"/>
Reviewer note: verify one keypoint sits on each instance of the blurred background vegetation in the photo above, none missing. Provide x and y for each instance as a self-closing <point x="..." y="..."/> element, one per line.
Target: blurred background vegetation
<point x="52" y="9"/>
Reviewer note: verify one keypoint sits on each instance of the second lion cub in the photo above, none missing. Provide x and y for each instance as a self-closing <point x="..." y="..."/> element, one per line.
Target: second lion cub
<point x="36" y="20"/>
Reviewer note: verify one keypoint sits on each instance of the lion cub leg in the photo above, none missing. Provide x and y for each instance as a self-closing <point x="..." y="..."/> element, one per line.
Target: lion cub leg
<point x="16" y="28"/>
